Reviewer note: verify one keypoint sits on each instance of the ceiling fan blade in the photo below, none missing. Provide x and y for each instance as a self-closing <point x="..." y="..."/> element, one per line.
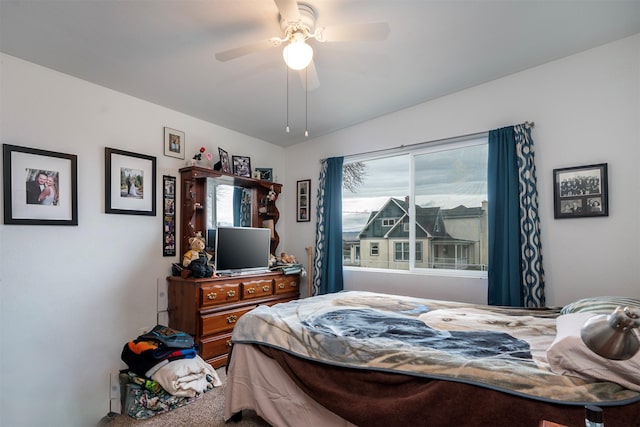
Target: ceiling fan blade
<point x="353" y="32"/>
<point x="237" y="52"/>
<point x="288" y="10"/>
<point x="309" y="77"/>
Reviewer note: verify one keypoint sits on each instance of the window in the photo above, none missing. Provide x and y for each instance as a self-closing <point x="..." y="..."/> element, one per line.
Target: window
<point x="374" y="249"/>
<point x="402" y="251"/>
<point x="442" y="185"/>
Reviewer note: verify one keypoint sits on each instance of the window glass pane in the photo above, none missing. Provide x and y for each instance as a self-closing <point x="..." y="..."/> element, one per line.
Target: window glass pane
<point x="373" y="210"/>
<point x="450" y="193"/>
<point x="451" y="207"/>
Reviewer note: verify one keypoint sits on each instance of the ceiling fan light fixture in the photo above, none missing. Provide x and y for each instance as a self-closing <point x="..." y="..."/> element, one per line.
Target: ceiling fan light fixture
<point x="297" y="54"/>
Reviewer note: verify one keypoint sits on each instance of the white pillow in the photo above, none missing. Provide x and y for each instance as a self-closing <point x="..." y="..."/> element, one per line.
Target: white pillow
<point x="569" y="355"/>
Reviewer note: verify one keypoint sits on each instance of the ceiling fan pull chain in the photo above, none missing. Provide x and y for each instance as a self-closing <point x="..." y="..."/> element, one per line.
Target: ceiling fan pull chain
<point x="306" y="103"/>
<point x="287" y="127"/>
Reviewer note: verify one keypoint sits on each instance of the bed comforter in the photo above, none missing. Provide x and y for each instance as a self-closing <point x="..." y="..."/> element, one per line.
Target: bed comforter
<point x="501" y="349"/>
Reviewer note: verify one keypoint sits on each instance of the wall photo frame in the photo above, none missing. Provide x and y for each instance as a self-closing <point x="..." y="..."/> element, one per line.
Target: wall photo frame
<point x="130" y="183"/>
<point x="174" y="143"/>
<point x="40" y="187"/>
<point x="303" y="204"/>
<point x="168" y="215"/>
<point x="581" y="191"/>
<point x="241" y="166"/>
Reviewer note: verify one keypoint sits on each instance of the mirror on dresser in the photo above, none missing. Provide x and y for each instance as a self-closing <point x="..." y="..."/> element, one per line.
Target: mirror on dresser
<point x="211" y="198"/>
<point x="227" y="204"/>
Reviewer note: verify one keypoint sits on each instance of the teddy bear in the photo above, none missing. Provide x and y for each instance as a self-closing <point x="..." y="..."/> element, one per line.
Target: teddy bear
<point x="196" y="259"/>
<point x="287" y="259"/>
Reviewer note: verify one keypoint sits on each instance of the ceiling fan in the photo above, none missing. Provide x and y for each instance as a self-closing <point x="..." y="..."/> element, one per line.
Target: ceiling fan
<point x="298" y="24"/>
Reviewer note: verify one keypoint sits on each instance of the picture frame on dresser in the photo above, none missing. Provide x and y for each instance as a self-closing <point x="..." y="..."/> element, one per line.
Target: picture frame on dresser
<point x="265" y="174"/>
<point x="225" y="164"/>
<point x="581" y="191"/>
<point x="130" y="183"/>
<point x="40" y="186"/>
<point x="241" y="166"/>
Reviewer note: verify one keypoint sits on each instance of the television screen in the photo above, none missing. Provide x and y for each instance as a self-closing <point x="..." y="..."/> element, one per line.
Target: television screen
<point x="242" y="249"/>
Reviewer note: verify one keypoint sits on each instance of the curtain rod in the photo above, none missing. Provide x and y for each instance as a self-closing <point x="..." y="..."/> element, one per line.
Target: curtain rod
<point x="420" y="144"/>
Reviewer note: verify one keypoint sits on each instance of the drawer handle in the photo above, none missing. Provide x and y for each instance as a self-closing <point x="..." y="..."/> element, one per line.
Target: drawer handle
<point x="231" y="294"/>
<point x="293" y="284"/>
<point x="281" y="285"/>
<point x="232" y="319"/>
<point x="229" y="343"/>
<point x="212" y="295"/>
<point x="266" y="288"/>
<point x="251" y="290"/>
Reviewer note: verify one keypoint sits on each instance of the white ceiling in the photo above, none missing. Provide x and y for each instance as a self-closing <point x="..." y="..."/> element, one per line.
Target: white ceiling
<point x="163" y="51"/>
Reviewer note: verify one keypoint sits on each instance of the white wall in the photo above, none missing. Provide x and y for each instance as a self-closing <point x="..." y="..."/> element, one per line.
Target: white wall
<point x="587" y="110"/>
<point x="71" y="297"/>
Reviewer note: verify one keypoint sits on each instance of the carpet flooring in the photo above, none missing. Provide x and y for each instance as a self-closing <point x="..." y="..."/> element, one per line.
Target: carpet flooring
<point x="205" y="412"/>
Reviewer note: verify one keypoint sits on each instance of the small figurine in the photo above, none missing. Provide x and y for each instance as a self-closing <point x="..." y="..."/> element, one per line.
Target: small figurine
<point x="287" y="259"/>
<point x="196" y="259"/>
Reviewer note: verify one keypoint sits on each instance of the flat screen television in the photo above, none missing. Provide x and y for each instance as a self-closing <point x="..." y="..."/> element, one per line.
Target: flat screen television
<point x="242" y="250"/>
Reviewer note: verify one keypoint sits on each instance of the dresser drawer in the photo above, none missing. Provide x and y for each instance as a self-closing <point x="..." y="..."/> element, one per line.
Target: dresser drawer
<point x="212" y="347"/>
<point x="287" y="284"/>
<point x="257" y="289"/>
<point x="221" y="322"/>
<point x="211" y="295"/>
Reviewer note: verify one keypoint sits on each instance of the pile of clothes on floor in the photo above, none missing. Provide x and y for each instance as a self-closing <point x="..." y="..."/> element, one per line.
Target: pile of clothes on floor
<point x="165" y="373"/>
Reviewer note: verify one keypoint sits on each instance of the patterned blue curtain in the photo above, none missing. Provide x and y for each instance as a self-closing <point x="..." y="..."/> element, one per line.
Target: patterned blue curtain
<point x="327" y="263"/>
<point x="516" y="276"/>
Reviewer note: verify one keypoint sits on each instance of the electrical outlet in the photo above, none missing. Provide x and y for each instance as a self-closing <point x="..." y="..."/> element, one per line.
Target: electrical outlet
<point x="114" y="385"/>
<point x="163" y="300"/>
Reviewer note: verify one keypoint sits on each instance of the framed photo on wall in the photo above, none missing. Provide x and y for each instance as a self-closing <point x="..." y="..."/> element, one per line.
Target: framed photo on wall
<point x="168" y="215"/>
<point x="303" y="206"/>
<point x="40" y="187"/>
<point x="581" y="191"/>
<point x="173" y="143"/>
<point x="130" y="183"/>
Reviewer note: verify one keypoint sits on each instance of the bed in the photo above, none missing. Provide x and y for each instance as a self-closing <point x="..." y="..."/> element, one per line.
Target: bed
<point x="369" y="359"/>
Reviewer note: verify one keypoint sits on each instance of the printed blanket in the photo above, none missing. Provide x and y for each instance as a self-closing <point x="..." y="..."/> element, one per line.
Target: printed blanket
<point x="494" y="347"/>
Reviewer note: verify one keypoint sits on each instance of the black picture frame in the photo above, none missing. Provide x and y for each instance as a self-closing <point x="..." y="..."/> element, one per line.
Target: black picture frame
<point x="25" y="202"/>
<point x="303" y="200"/>
<point x="265" y="174"/>
<point x="581" y="191"/>
<point x="127" y="178"/>
<point x="241" y="166"/>
<point x="225" y="164"/>
<point x="168" y="215"/>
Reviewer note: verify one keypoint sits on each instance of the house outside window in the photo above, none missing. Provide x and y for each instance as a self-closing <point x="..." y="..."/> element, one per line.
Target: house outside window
<point x="423" y="209"/>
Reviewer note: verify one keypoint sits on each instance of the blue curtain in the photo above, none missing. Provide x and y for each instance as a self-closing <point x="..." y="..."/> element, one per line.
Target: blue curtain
<point x="327" y="263"/>
<point x="237" y="206"/>
<point x="515" y="271"/>
<point x="532" y="272"/>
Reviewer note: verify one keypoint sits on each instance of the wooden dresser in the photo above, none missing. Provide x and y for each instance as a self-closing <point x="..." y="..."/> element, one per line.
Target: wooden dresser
<point x="209" y="308"/>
